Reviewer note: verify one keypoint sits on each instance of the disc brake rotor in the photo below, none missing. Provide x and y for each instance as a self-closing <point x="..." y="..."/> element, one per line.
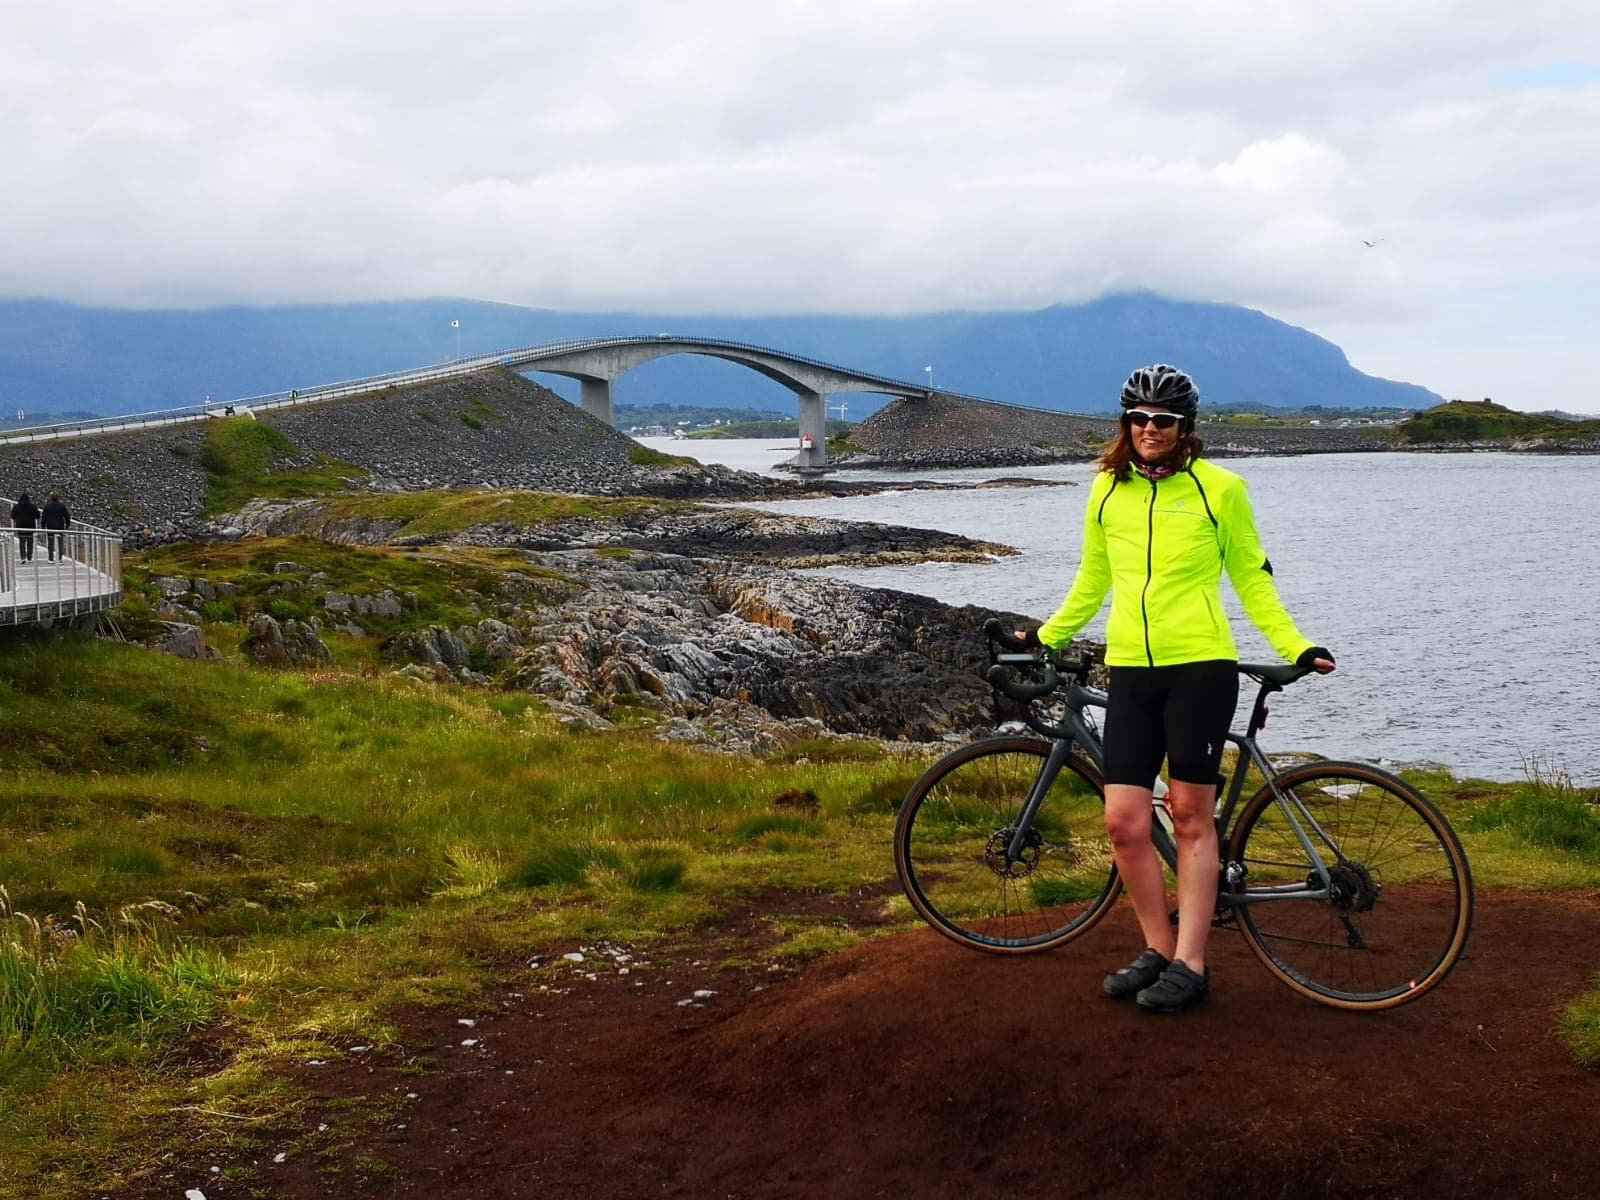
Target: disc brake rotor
<point x="994" y="853"/>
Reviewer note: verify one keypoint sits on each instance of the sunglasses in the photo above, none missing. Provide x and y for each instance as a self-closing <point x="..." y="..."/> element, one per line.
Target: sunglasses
<point x="1139" y="418"/>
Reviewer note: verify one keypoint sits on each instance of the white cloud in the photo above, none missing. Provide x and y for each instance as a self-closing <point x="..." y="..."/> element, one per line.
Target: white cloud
<point x="877" y="155"/>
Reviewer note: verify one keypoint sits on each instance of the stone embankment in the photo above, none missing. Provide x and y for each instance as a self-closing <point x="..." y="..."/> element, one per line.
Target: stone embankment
<point x="495" y="429"/>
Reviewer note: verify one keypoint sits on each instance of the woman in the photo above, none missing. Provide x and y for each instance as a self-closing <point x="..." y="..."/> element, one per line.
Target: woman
<point x="1161" y="525"/>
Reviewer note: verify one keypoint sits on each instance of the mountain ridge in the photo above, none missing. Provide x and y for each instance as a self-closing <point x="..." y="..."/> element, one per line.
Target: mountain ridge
<point x="56" y="356"/>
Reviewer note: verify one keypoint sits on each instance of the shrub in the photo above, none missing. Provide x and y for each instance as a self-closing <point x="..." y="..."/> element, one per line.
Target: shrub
<point x="656" y="869"/>
<point x="558" y="863"/>
<point x="74" y="993"/>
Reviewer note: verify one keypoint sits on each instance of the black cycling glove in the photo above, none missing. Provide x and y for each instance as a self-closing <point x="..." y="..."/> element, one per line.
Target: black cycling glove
<point x="1030" y="639"/>
<point x="1309" y="656"/>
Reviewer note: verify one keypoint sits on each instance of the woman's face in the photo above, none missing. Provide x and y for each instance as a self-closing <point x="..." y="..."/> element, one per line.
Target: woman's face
<point x="1151" y="442"/>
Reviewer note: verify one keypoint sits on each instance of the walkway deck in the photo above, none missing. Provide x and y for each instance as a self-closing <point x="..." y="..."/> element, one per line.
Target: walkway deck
<point x="47" y="591"/>
<point x="85" y="577"/>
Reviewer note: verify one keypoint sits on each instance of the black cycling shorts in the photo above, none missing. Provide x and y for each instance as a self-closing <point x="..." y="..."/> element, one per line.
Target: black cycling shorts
<point x="1178" y="713"/>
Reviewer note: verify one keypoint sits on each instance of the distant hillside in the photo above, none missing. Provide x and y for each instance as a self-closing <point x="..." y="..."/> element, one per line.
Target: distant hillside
<point x="1485" y="421"/>
<point x="57" y="357"/>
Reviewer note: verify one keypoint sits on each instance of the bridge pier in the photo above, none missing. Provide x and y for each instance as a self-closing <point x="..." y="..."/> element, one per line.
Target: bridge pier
<point x="597" y="400"/>
<point x="813" y="423"/>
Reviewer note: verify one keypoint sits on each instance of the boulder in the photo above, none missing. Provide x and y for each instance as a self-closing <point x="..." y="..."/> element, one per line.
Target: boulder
<point x="184" y="640"/>
<point x="291" y="644"/>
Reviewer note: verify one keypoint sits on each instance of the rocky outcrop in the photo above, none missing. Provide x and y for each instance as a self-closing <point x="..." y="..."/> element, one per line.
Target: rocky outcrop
<point x="749" y="657"/>
<point x="654" y="528"/>
<point x="184" y="640"/>
<point x="290" y="644"/>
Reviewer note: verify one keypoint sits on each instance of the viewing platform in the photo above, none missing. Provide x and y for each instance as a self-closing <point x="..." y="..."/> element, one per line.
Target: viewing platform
<point x="84" y="577"/>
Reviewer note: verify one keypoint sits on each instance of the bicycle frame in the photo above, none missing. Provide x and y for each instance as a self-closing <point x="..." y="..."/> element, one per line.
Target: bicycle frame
<point x="1077" y="734"/>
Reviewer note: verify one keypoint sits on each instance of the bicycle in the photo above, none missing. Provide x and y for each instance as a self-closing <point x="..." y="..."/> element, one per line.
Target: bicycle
<point x="1348" y="884"/>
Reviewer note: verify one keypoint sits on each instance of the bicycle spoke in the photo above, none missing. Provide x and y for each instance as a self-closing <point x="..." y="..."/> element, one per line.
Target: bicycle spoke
<point x="1398" y="904"/>
<point x="956" y="831"/>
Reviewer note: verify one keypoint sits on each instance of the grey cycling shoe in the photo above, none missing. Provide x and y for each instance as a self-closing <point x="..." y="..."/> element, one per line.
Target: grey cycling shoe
<point x="1128" y="981"/>
<point x="1177" y="990"/>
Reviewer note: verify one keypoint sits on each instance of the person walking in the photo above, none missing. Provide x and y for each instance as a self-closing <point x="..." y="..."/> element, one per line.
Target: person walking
<point x="24" y="518"/>
<point x="1161" y="525"/>
<point x="56" y="520"/>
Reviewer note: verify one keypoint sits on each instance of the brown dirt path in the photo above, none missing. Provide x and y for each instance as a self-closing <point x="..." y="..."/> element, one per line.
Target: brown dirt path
<point x="908" y="1066"/>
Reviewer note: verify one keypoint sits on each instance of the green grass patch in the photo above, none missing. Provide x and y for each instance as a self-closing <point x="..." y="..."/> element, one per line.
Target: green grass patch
<point x="470" y="421"/>
<point x="1545" y="821"/>
<point x="1484" y="421"/>
<point x="81" y="993"/>
<point x="823" y="750"/>
<point x="435" y="513"/>
<point x="644" y="456"/>
<point x="437" y="586"/>
<point x="813" y="942"/>
<point x="1579" y="1028"/>
<point x="323" y="847"/>
<point x="242" y="457"/>
<point x="562" y="864"/>
<point x="759" y="825"/>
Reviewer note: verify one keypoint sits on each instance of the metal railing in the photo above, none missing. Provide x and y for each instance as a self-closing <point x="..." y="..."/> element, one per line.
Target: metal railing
<point x="47" y="574"/>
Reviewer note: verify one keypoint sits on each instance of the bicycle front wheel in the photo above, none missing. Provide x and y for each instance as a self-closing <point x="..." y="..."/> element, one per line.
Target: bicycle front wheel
<point x="952" y="837"/>
<point x="1396" y="916"/>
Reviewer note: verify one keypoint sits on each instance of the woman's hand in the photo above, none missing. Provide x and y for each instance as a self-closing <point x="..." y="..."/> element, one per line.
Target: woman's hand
<point x="1318" y="658"/>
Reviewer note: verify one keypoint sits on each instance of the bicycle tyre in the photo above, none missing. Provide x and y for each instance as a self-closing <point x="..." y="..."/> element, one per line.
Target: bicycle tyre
<point x="949" y="840"/>
<point x="1404" y="888"/>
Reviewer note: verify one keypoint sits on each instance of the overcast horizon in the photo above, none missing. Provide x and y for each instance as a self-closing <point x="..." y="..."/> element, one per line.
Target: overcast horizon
<point x="1417" y="184"/>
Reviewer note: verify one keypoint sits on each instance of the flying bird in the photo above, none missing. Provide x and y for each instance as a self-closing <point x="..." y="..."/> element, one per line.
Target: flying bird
<point x="1372" y="243"/>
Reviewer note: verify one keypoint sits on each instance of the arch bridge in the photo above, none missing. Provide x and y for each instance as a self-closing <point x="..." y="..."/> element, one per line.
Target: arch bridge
<point x="595" y="362"/>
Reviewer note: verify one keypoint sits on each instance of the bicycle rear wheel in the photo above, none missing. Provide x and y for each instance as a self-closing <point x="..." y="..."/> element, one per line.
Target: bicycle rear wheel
<point x="950" y="849"/>
<point x="1400" y="906"/>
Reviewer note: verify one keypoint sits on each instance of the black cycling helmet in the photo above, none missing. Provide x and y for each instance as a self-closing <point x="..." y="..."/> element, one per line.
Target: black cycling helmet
<point x="1162" y="385"/>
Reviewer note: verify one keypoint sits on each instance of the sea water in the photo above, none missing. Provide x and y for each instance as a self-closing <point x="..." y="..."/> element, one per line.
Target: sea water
<point x="1460" y="592"/>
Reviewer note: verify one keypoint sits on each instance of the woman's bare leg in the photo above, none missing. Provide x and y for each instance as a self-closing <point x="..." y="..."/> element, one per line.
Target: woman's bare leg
<point x="1194" y="827"/>
<point x="1128" y="823"/>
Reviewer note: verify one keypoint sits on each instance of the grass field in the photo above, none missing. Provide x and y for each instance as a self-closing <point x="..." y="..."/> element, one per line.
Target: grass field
<point x="265" y="863"/>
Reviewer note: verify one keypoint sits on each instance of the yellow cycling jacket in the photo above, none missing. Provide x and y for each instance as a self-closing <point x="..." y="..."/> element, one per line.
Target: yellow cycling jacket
<point x="1159" y="547"/>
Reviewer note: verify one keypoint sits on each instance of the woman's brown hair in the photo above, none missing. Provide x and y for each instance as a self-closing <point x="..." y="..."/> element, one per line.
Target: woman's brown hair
<point x="1119" y="455"/>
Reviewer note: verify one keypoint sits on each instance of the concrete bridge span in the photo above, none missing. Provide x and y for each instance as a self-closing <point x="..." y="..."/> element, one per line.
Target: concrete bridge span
<point x="597" y="365"/>
<point x="594" y="362"/>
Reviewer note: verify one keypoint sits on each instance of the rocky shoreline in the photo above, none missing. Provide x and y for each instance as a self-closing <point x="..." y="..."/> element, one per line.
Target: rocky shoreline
<point x="681" y="618"/>
<point x="947" y="433"/>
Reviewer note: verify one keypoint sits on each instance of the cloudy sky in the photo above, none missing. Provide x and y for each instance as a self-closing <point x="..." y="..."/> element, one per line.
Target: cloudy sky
<point x="860" y="156"/>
